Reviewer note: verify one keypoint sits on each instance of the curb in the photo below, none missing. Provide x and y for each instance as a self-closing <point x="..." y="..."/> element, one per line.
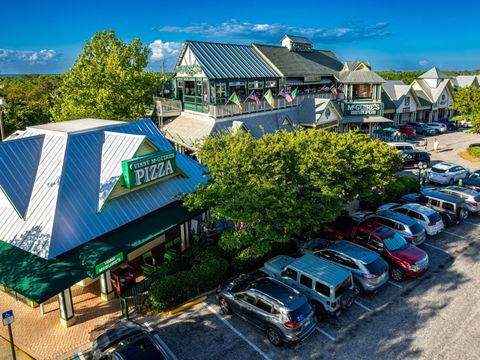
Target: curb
<point x="184" y="306"/>
<point x="17" y="349"/>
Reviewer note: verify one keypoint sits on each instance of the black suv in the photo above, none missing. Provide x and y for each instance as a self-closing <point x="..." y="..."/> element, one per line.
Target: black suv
<point x="452" y="209"/>
<point x="282" y="311"/>
<point x="411" y="158"/>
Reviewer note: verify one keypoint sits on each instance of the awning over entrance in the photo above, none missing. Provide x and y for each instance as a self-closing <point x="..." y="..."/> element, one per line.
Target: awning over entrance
<point x="364" y="120"/>
<point x="306" y="83"/>
<point x="39" y="279"/>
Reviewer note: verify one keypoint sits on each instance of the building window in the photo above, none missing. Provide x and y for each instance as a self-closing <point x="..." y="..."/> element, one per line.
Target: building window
<point x="220" y="92"/>
<point x="362" y="91"/>
<point x="407" y="101"/>
<point x="239" y="87"/>
<point x="271" y="85"/>
<point x="189" y="88"/>
<point x="287" y="121"/>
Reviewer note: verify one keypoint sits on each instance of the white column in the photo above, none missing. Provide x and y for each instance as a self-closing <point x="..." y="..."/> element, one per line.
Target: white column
<point x="185" y="235"/>
<point x="67" y="314"/>
<point x="106" y="288"/>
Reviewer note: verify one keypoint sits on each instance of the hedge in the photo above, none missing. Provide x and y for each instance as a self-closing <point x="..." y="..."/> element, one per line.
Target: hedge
<point x="474" y="151"/>
<point x="396" y="189"/>
<point x="207" y="272"/>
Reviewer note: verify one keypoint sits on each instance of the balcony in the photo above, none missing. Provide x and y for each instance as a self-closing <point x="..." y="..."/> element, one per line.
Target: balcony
<point x="226" y="110"/>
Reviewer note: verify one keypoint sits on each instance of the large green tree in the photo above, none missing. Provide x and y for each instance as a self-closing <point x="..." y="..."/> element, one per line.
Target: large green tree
<point x="107" y="81"/>
<point x="287" y="185"/>
<point x="467" y="102"/>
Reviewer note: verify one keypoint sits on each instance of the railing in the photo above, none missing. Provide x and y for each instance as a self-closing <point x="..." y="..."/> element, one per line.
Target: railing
<point x="250" y="106"/>
<point x="168" y="107"/>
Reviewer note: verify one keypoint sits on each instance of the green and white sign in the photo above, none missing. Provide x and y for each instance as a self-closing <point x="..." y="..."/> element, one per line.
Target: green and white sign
<point x="148" y="168"/>
<point x="371" y="108"/>
<point x="188" y="69"/>
<point x="109" y="263"/>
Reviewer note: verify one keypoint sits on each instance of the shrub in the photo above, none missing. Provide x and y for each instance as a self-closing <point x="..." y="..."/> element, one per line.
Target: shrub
<point x="173" y="290"/>
<point x="474" y="151"/>
<point x="396" y="189"/>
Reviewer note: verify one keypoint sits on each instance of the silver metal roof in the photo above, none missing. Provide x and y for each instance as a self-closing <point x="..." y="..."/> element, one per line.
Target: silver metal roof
<point x="230" y="61"/>
<point x="360" y="77"/>
<point x="72" y="176"/>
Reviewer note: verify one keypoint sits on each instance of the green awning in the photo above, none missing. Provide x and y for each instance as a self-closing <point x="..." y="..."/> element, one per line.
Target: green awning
<point x="39" y="279"/>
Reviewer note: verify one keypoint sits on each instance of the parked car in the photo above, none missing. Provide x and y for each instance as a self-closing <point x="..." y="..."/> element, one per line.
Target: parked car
<point x="328" y="286"/>
<point x="438" y="126"/>
<point x="447" y="173"/>
<point x="369" y="270"/>
<point x="422" y="128"/>
<point x="428" y="218"/>
<point x="130" y="342"/>
<point x="404" y="258"/>
<point x="283" y="312"/>
<point x="472" y="181"/>
<point x="407" y="130"/>
<point x="466" y="123"/>
<point x="453" y="210"/>
<point x="410" y="158"/>
<point x="401" y="146"/>
<point x="402" y="224"/>
<point x="451" y="126"/>
<point x="472" y="197"/>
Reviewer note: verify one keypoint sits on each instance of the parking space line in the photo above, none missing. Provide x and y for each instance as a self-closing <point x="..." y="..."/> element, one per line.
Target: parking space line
<point x="437" y="248"/>
<point x="453" y="234"/>
<point x="395" y="284"/>
<point x="471" y="223"/>
<point x="254" y="347"/>
<point x="331" y="337"/>
<point x="363" y="306"/>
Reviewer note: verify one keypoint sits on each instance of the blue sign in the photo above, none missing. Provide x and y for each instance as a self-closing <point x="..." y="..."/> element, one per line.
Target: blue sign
<point x="7" y="317"/>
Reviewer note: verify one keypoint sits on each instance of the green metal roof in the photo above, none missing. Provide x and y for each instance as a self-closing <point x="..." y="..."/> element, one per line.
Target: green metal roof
<point x="300" y="64"/>
<point x="39" y="279"/>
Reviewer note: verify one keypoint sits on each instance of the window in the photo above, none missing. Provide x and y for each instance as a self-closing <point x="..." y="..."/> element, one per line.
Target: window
<point x="346" y="284"/>
<point x="434" y="202"/>
<point x="375" y="243"/>
<point x="286" y="121"/>
<point x="190" y="88"/>
<point x="247" y="298"/>
<point x="220" y="92"/>
<point x="292" y="274"/>
<point x="448" y="206"/>
<point x="362" y="235"/>
<point x="407" y="101"/>
<point x="399" y="226"/>
<point x="265" y="306"/>
<point x="238" y="87"/>
<point x="254" y="85"/>
<point x="402" y="211"/>
<point x="322" y="289"/>
<point x="362" y="91"/>
<point x="347" y="262"/>
<point x="306" y="281"/>
<point x="415" y="215"/>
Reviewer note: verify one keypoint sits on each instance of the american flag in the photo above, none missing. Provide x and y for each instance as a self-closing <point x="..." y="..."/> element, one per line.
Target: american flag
<point x="253" y="96"/>
<point x="286" y="95"/>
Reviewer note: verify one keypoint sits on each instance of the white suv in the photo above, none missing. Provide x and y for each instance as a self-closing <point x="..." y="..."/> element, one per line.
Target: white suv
<point x="401" y="146"/>
<point x="447" y="173"/>
<point x="428" y="218"/>
<point x="440" y="127"/>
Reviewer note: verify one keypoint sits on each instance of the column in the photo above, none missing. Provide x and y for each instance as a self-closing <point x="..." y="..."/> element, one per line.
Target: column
<point x="67" y="314"/>
<point x="106" y="288"/>
<point x="185" y="235"/>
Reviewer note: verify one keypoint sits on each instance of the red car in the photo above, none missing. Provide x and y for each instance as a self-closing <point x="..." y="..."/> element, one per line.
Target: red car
<point x="404" y="258"/>
<point x="407" y="130"/>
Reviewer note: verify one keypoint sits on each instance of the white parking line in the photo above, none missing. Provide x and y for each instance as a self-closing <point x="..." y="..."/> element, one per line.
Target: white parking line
<point x="436" y="247"/>
<point x="362" y="306"/>
<point x="471" y="223"/>
<point x="331" y="337"/>
<point x="395" y="284"/>
<point x="453" y="234"/>
<point x="254" y="347"/>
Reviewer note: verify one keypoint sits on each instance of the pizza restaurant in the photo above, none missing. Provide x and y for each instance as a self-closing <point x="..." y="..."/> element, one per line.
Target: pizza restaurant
<point x="91" y="204"/>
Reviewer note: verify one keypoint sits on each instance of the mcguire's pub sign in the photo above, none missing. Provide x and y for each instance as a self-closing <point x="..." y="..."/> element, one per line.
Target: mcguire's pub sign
<point x="145" y="169"/>
<point x="363" y="109"/>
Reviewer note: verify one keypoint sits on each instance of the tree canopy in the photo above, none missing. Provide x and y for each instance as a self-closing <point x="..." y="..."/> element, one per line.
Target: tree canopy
<point x="467" y="102"/>
<point x="286" y="185"/>
<point x="107" y="81"/>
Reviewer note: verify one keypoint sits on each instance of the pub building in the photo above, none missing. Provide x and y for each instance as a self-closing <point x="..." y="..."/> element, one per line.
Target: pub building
<point x="90" y="201"/>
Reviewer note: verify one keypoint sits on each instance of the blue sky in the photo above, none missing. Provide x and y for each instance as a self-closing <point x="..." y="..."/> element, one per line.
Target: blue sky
<point x="46" y="37"/>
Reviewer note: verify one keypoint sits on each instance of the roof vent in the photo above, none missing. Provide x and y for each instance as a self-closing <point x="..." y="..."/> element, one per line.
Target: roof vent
<point x="297" y="43"/>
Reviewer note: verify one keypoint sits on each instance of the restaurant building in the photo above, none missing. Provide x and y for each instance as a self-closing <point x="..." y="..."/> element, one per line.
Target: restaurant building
<point x="83" y="201"/>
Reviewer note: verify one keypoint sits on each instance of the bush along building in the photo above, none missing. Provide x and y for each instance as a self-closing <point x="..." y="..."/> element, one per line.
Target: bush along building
<point x="89" y="202"/>
<point x="265" y="88"/>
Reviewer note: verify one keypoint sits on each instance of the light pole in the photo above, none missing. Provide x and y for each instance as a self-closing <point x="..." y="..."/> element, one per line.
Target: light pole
<point x="3" y="103"/>
<point x="421" y="166"/>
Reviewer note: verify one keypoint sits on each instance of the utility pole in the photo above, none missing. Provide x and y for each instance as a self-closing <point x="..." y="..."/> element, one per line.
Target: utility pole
<point x="2" y="130"/>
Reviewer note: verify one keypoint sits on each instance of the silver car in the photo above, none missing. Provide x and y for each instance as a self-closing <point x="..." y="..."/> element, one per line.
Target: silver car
<point x="428" y="218"/>
<point x="369" y="270"/>
<point x="447" y="173"/>
<point x="438" y="126"/>
<point x="472" y="197"/>
<point x="404" y="225"/>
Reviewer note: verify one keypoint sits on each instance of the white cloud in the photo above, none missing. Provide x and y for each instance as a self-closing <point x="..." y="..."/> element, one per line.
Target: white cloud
<point x="164" y="51"/>
<point x="423" y="63"/>
<point x="274" y="32"/>
<point x="27" y="56"/>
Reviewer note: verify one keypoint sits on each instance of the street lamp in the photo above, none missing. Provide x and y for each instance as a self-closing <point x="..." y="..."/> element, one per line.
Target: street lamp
<point x="421" y="166"/>
<point x="3" y="104"/>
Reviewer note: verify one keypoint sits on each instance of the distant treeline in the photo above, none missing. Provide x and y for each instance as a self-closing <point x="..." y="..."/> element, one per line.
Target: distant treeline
<point x="408" y="76"/>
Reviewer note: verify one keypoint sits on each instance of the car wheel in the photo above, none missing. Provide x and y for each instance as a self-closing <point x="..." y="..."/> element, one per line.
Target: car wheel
<point x="320" y="312"/>
<point x="357" y="288"/>
<point x="463" y="214"/>
<point x="274" y="337"/>
<point x="397" y="274"/>
<point x="348" y="301"/>
<point x="225" y="306"/>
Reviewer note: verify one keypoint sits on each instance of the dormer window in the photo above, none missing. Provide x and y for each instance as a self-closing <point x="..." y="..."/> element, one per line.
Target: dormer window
<point x="362" y="91"/>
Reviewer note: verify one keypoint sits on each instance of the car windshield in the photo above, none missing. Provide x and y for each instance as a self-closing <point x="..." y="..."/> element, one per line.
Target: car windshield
<point x="395" y="242"/>
<point x="474" y="176"/>
<point x="416" y="228"/>
<point x="300" y="313"/>
<point x="434" y="217"/>
<point x="340" y="289"/>
<point x="437" y="170"/>
<point x="141" y="349"/>
<point x="377" y="267"/>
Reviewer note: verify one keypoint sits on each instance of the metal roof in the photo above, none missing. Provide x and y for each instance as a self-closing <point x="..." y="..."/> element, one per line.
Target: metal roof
<point x="71" y="179"/>
<point x="360" y="77"/>
<point x="434" y="73"/>
<point x="298" y="39"/>
<point x="230" y="61"/>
